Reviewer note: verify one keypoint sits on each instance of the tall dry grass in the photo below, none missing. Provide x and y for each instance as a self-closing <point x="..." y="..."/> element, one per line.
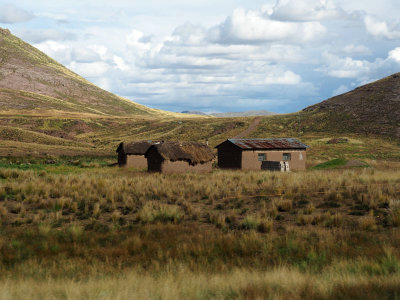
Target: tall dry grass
<point x="117" y="234"/>
<point x="280" y="283"/>
<point x="124" y="197"/>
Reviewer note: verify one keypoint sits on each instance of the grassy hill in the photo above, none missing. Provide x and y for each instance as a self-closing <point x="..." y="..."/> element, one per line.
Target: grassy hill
<point x="370" y="109"/>
<point x="30" y="80"/>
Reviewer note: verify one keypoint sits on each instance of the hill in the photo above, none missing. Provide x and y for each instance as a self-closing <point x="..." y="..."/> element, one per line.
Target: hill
<point x="30" y="80"/>
<point x="370" y="109"/>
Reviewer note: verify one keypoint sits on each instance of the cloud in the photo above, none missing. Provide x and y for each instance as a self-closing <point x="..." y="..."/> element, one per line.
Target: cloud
<point x="395" y="55"/>
<point x="120" y="63"/>
<point x="356" y="49"/>
<point x="11" y="14"/>
<point x="281" y="57"/>
<point x="95" y="69"/>
<point x="346" y="67"/>
<point x="381" y="29"/>
<point x="287" y="78"/>
<point x="41" y="35"/>
<point x="340" y="90"/>
<point x="189" y="34"/>
<point x="306" y="10"/>
<point x="136" y="39"/>
<point x="253" y="27"/>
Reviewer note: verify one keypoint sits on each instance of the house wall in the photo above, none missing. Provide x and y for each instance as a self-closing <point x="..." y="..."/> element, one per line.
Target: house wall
<point x="250" y="158"/>
<point x="136" y="161"/>
<point x="156" y="163"/>
<point x="183" y="166"/>
<point x="229" y="156"/>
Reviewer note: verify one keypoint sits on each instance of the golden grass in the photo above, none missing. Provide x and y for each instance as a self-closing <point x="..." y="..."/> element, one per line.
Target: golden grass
<point x="325" y="198"/>
<point x="116" y="233"/>
<point x="280" y="283"/>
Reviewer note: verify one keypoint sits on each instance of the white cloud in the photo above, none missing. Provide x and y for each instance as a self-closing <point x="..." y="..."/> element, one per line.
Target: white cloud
<point x="253" y="58"/>
<point x="120" y="63"/>
<point x="252" y="27"/>
<point x="41" y="35"/>
<point x="306" y="10"/>
<point x="395" y="55"/>
<point x="381" y="29"/>
<point x="55" y="50"/>
<point x="340" y="90"/>
<point x="95" y="69"/>
<point x="189" y="34"/>
<point x="11" y="14"/>
<point x="286" y="78"/>
<point x="84" y="54"/>
<point x="135" y="39"/>
<point x="346" y="67"/>
<point x="356" y="49"/>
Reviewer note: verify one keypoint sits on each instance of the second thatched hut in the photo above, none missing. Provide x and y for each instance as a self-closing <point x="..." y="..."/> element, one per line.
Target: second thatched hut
<point x="171" y="157"/>
<point x="132" y="154"/>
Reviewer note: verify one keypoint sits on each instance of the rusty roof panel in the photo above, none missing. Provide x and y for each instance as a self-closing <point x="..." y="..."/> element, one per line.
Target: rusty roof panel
<point x="272" y="143"/>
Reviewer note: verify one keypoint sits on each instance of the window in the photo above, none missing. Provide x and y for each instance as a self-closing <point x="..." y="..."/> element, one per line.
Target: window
<point x="262" y="157"/>
<point x="286" y="156"/>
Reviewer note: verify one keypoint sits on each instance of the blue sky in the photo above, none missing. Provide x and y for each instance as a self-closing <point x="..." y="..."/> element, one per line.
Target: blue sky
<point x="216" y="56"/>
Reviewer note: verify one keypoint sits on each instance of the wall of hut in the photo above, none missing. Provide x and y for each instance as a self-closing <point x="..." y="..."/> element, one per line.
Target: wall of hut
<point x="156" y="163"/>
<point x="136" y="161"/>
<point x="183" y="166"/>
<point x="250" y="158"/>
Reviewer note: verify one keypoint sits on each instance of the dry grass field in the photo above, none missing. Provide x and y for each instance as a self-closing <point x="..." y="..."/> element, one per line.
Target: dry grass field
<point x="81" y="229"/>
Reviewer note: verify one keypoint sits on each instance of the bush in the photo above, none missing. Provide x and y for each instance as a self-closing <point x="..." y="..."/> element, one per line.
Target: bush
<point x="284" y="205"/>
<point x="164" y="213"/>
<point x="257" y="223"/>
<point x="368" y="222"/>
<point x="394" y="213"/>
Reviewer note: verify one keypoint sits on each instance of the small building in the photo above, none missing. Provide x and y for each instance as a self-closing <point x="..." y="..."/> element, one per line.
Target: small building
<point x="174" y="157"/>
<point x="259" y="154"/>
<point x="132" y="154"/>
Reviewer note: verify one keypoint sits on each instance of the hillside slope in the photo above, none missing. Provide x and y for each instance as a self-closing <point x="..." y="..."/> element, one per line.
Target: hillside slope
<point x="370" y="109"/>
<point x="29" y="80"/>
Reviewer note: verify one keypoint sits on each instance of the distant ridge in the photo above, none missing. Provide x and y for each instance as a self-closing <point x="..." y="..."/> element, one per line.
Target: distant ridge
<point x="250" y="113"/>
<point x="194" y="112"/>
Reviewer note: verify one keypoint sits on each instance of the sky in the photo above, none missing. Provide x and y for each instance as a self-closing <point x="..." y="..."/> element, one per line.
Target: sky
<point x="216" y="55"/>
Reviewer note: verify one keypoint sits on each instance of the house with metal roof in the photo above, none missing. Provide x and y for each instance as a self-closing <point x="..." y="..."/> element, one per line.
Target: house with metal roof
<point x="259" y="154"/>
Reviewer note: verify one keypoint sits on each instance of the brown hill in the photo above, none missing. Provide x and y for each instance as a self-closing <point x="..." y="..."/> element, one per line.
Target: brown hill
<point x="30" y="80"/>
<point x="370" y="109"/>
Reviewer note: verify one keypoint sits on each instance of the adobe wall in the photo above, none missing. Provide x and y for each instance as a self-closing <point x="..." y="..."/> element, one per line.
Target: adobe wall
<point x="136" y="161"/>
<point x="250" y="159"/>
<point x="182" y="167"/>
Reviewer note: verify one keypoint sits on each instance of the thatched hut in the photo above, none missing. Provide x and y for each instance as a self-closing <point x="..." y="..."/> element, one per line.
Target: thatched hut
<point x="170" y="157"/>
<point x="132" y="154"/>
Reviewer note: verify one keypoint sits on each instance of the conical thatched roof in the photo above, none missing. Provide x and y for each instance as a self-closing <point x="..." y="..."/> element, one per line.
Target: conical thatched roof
<point x="192" y="152"/>
<point x="137" y="147"/>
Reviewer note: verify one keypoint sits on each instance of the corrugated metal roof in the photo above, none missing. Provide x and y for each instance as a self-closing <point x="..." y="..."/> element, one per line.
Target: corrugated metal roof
<point x="272" y="143"/>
